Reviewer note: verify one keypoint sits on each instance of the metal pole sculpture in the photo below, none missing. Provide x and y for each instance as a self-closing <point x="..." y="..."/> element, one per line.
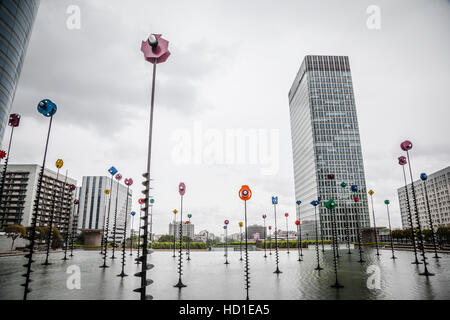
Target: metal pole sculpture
<point x="386" y="202"/>
<point x="374" y="223"/>
<point x="406" y="146"/>
<point x="275" y="202"/>
<point x="347" y="223"/>
<point x="72" y="236"/>
<point x="175" y="211"/>
<point x="299" y="246"/>
<point x="189" y="240"/>
<point x="118" y="178"/>
<point x="102" y="243"/>
<point x="424" y="177"/>
<point x="14" y="121"/>
<point x="287" y="232"/>
<point x="402" y="161"/>
<point x="315" y="203"/>
<point x="354" y="189"/>
<point x="241" y="224"/>
<point x="225" y="227"/>
<point x="112" y="171"/>
<point x="133" y="213"/>
<point x="270" y="237"/>
<point x="245" y="194"/>
<point x="152" y="201"/>
<point x="59" y="163"/>
<point x="182" y="191"/>
<point x="72" y="187"/>
<point x="128" y="183"/>
<point x="141" y="202"/>
<point x="265" y="236"/>
<point x="299" y="230"/>
<point x="333" y="217"/>
<point x="155" y="51"/>
<point x="321" y="226"/>
<point x="47" y="108"/>
<point x="330" y="205"/>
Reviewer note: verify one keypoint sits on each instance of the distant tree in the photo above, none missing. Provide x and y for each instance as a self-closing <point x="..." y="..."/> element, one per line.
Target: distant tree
<point x="186" y="239"/>
<point x="15" y="231"/>
<point x="166" y="238"/>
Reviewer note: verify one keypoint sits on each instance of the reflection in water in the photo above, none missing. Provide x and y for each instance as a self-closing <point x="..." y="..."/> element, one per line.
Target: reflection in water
<point x="207" y="277"/>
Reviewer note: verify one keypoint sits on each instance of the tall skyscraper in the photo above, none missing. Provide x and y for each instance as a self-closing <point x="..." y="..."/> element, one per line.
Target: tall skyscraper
<point x="16" y="23"/>
<point x="325" y="140"/>
<point x="93" y="207"/>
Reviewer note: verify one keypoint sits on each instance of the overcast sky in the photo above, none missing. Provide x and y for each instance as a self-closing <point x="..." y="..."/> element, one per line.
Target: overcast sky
<point x="231" y="68"/>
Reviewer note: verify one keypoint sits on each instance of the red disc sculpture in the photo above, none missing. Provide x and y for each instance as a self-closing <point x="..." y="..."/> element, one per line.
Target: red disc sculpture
<point x="297" y="222"/>
<point x="128" y="182"/>
<point x="141" y="201"/>
<point x="182" y="188"/>
<point x="286" y="214"/>
<point x="155" y="49"/>
<point x="226" y="222"/>
<point x="245" y="193"/>
<point x="2" y="154"/>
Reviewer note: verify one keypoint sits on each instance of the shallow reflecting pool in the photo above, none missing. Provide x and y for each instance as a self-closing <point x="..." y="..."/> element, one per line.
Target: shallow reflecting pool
<point x="207" y="277"/>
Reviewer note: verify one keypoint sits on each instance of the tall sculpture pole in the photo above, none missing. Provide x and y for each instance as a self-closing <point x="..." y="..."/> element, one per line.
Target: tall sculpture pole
<point x="76" y="202"/>
<point x="265" y="236"/>
<point x="118" y="178"/>
<point x="333" y="216"/>
<point x="321" y="225"/>
<point x="330" y="205"/>
<point x="102" y="242"/>
<point x="374" y="223"/>
<point x="182" y="191"/>
<point x="275" y="202"/>
<point x="299" y="230"/>
<point x="354" y="189"/>
<point x="47" y="108"/>
<point x="299" y="246"/>
<point x="347" y="223"/>
<point x="270" y="237"/>
<point x="133" y="213"/>
<point x="128" y="183"/>
<point x="141" y="202"/>
<point x="315" y="203"/>
<point x="241" y="224"/>
<point x="286" y="215"/>
<point x="245" y="194"/>
<point x="189" y="239"/>
<point x="155" y="51"/>
<point x="113" y="171"/>
<point x="14" y="121"/>
<point x="386" y="202"/>
<point x="175" y="211"/>
<point x="424" y="177"/>
<point x="406" y="146"/>
<point x="59" y="163"/>
<point x="72" y="188"/>
<point x="225" y="227"/>
<point x="402" y="161"/>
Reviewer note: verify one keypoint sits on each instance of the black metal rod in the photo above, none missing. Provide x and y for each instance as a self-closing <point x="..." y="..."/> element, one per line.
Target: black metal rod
<point x="29" y="256"/>
<point x="408" y="207"/>
<point x="52" y="214"/>
<point x="180" y="284"/>
<point x="347" y="223"/>
<point x="122" y="274"/>
<point x="115" y="222"/>
<point x="287" y="235"/>
<point x="358" y="230"/>
<point x="300" y="234"/>
<point x="139" y="239"/>
<point x="317" y="240"/>
<point x="174" y="235"/>
<point x="102" y="242"/>
<point x="430" y="221"/>
<point x="240" y="243"/>
<point x="419" y="228"/>
<point x="226" y="245"/>
<point x="374" y="225"/>
<point x="390" y="232"/>
<point x="2" y="184"/>
<point x="189" y="245"/>
<point x="131" y="235"/>
<point x="105" y="249"/>
<point x="270" y="244"/>
<point x="265" y="239"/>
<point x="72" y="236"/>
<point x="321" y="229"/>
<point x="66" y="234"/>
<point x="276" y="241"/>
<point x="247" y="268"/>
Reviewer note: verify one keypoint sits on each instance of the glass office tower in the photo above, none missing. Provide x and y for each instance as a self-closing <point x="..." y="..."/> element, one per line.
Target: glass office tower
<point x="325" y="140"/>
<point x="16" y="22"/>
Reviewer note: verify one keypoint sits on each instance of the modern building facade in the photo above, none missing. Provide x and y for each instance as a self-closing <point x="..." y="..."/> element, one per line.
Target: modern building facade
<point x="438" y="188"/>
<point x="16" y="24"/>
<point x="93" y="207"/>
<point x="255" y="230"/>
<point x="188" y="229"/>
<point x="19" y="196"/>
<point x="325" y="140"/>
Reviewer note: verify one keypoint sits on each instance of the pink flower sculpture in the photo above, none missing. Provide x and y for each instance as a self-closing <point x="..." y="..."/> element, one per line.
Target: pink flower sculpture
<point x="2" y="154"/>
<point x="118" y="177"/>
<point x="402" y="160"/>
<point x="72" y="187"/>
<point x="129" y="181"/>
<point x="406" y="145"/>
<point x="182" y="188"/>
<point x="14" y="120"/>
<point x="155" y="49"/>
<point x="264" y="216"/>
<point x="76" y="201"/>
<point x="226" y="222"/>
